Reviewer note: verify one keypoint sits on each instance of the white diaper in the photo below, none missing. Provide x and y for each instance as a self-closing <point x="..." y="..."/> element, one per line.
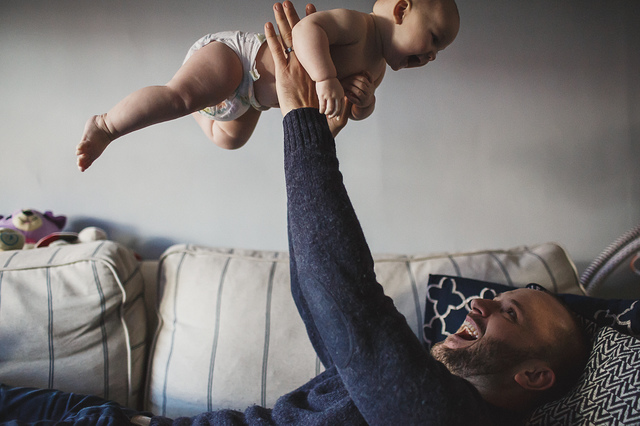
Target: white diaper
<point x="246" y="46"/>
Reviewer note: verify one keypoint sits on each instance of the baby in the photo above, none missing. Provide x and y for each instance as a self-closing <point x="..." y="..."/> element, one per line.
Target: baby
<point x="227" y="78"/>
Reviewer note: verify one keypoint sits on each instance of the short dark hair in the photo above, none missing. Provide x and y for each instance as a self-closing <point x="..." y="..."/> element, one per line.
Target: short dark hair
<point x="567" y="354"/>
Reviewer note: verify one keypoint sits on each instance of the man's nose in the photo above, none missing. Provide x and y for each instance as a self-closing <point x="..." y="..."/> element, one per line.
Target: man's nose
<point x="483" y="307"/>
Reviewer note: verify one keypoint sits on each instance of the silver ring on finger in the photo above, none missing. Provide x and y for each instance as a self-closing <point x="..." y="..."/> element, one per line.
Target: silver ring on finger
<point x="289" y="49"/>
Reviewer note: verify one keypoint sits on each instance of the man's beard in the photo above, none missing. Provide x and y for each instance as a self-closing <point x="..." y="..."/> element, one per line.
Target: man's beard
<point x="487" y="357"/>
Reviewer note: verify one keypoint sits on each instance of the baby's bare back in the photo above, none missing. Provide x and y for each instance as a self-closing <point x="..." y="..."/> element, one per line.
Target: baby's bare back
<point x="359" y="57"/>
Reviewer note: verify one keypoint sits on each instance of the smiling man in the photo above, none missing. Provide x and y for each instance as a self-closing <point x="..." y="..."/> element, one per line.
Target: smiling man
<point x="510" y="353"/>
<point x="520" y="349"/>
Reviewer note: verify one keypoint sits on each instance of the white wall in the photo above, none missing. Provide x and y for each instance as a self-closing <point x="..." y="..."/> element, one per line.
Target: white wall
<point x="525" y="130"/>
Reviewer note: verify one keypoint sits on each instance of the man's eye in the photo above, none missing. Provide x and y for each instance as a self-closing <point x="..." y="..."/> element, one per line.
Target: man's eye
<point x="435" y="38"/>
<point x="512" y="313"/>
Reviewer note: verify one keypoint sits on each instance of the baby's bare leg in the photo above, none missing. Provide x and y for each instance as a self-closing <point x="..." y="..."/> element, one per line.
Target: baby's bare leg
<point x="209" y="76"/>
<point x="229" y="134"/>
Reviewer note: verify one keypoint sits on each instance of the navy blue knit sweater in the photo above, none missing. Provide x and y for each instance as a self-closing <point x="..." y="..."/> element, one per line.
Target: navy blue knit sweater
<point x="378" y="372"/>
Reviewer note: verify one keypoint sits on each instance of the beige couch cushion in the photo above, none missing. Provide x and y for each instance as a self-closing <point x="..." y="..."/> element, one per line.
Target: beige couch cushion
<point x="229" y="334"/>
<point x="72" y="317"/>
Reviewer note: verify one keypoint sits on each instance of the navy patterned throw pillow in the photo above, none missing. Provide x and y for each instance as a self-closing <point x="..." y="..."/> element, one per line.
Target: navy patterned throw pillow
<point x="619" y="314"/>
<point x="448" y="297"/>
<point x="447" y="304"/>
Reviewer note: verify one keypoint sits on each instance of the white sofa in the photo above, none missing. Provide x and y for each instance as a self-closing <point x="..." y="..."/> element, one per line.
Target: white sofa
<point x="200" y="328"/>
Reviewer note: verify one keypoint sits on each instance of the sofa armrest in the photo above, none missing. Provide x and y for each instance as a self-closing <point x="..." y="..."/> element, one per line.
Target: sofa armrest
<point x="72" y="317"/>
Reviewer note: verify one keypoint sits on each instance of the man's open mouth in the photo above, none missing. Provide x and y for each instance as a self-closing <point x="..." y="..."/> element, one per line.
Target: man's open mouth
<point x="467" y="331"/>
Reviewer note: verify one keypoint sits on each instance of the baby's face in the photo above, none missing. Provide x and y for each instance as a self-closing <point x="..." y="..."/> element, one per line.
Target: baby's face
<point x="426" y="29"/>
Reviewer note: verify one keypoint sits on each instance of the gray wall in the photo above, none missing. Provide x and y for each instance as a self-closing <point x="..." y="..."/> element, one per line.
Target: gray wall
<point x="525" y="130"/>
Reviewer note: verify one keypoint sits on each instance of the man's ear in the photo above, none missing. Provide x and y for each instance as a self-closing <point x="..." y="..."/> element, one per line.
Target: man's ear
<point x="536" y="377"/>
<point x="400" y="11"/>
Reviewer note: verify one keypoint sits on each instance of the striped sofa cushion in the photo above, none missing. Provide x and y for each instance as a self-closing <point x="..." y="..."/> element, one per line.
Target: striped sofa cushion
<point x="230" y="336"/>
<point x="72" y="317"/>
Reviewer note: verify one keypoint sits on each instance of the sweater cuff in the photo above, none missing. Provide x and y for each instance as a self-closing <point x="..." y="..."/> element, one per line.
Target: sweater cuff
<point x="306" y="127"/>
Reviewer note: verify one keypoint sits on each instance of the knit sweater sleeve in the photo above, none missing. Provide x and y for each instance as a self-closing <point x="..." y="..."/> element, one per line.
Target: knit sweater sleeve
<point x="389" y="375"/>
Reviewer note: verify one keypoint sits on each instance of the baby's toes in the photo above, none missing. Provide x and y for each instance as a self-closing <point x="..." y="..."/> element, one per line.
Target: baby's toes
<point x="84" y="161"/>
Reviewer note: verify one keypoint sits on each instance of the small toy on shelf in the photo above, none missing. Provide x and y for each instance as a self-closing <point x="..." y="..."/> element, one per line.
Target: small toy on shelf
<point x="29" y="228"/>
<point x="33" y="225"/>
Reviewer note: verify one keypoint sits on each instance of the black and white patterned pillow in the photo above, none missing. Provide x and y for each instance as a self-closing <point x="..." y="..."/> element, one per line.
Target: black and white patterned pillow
<point x="609" y="389"/>
<point x="608" y="392"/>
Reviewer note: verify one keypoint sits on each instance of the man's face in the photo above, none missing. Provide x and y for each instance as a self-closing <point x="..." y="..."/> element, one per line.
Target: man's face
<point x="498" y="334"/>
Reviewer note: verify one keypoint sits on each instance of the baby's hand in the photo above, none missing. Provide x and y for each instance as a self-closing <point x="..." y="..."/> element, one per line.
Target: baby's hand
<point x="330" y="96"/>
<point x="359" y="89"/>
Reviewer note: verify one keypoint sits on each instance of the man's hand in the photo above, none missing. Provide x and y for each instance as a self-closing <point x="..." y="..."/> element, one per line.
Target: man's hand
<point x="294" y="86"/>
<point x="336" y="124"/>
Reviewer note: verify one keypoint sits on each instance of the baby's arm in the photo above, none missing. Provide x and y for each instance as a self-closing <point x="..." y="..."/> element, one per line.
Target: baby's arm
<point x="312" y="37"/>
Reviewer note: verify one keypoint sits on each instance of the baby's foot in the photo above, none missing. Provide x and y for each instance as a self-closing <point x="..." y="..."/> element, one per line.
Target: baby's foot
<point x="94" y="140"/>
